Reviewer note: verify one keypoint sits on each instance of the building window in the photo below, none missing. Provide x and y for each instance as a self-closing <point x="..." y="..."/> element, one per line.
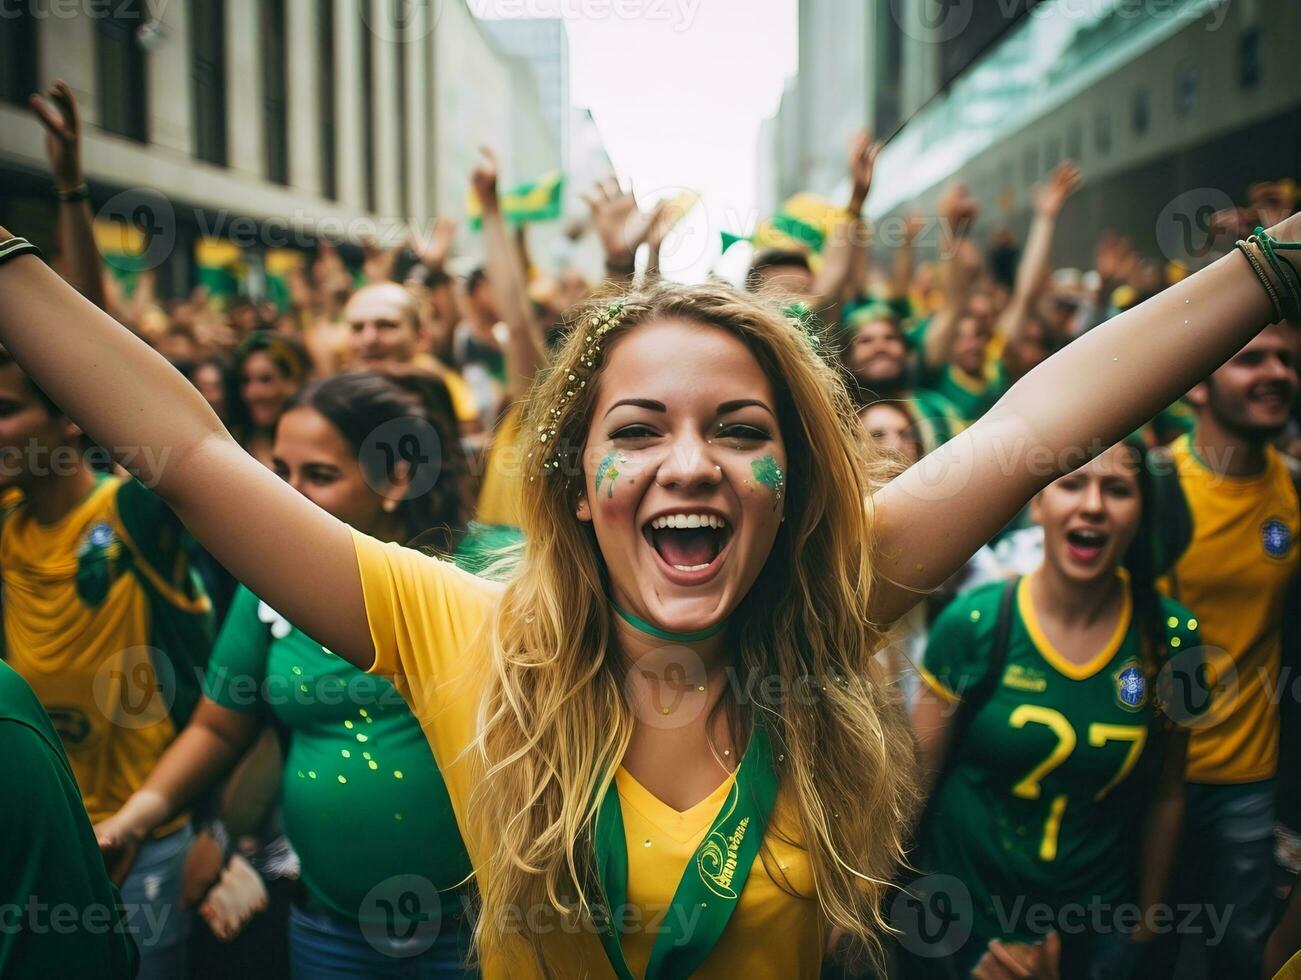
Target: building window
<point x="120" y="70"/>
<point x="18" y="75"/>
<point x="1031" y="164"/>
<point x="325" y="101"/>
<point x="1102" y="133"/>
<point x="1186" y="90"/>
<point x="275" y="102"/>
<point x="400" y="71"/>
<point x="368" y="114"/>
<point x="208" y="76"/>
<point x="1142" y="111"/>
<point x="1251" y="58"/>
<point x="1052" y="153"/>
<point x="1075" y="142"/>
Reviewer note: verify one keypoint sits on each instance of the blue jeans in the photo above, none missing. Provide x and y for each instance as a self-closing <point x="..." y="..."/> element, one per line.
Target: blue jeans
<point x="151" y="895"/>
<point x="322" y="946"/>
<point x="1226" y="866"/>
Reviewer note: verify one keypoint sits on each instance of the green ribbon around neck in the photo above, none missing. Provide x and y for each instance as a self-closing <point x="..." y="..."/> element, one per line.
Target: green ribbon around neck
<point x="715" y="876"/>
<point x="644" y="627"/>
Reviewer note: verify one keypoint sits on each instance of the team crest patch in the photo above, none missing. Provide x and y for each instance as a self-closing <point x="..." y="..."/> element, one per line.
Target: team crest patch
<point x="100" y="561"/>
<point x="1276" y="537"/>
<point x="1131" y="687"/>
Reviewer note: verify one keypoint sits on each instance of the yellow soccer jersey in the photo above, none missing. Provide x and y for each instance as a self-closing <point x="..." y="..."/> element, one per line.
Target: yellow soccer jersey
<point x="1234" y="575"/>
<point x="105" y="620"/>
<point x="426" y="618"/>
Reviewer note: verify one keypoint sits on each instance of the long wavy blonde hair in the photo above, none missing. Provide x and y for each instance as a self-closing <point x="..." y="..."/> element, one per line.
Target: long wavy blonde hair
<point x="555" y="721"/>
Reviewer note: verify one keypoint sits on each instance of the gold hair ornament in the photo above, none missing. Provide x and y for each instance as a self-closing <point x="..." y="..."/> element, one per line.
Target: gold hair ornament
<point x="598" y="325"/>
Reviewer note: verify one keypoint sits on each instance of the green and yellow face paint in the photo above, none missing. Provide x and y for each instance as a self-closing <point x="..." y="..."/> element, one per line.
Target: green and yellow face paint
<point x="767" y="473"/>
<point x="607" y="471"/>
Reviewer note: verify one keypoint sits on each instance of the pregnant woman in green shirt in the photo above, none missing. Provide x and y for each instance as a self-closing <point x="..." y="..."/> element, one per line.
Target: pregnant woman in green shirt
<point x="364" y="805"/>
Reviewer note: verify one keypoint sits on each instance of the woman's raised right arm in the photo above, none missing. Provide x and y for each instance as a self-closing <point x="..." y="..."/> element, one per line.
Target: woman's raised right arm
<point x="128" y="399"/>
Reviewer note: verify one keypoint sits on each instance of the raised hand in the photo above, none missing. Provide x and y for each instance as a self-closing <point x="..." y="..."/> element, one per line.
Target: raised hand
<point x="433" y="250"/>
<point x="57" y="112"/>
<point x="958" y="208"/>
<point x="1272" y="201"/>
<point x="378" y="263"/>
<point x="863" y="151"/>
<point x="1064" y="181"/>
<point x="621" y="225"/>
<point x="483" y="178"/>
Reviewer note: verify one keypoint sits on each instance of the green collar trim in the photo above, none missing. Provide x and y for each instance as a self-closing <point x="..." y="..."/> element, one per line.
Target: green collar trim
<point x="644" y="627"/>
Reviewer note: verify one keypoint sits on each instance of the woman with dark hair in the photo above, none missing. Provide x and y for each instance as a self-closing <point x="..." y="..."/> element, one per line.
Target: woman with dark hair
<point x="357" y="769"/>
<point x="1055" y="778"/>
<point x="219" y="385"/>
<point x="271" y="367"/>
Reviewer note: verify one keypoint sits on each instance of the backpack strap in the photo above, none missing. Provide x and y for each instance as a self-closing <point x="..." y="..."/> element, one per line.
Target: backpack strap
<point x="1173" y="530"/>
<point x="977" y="695"/>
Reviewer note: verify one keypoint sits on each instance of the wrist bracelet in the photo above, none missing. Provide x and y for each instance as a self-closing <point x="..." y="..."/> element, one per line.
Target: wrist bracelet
<point x="79" y="193"/>
<point x="14" y="247"/>
<point x="621" y="268"/>
<point x="1286" y="272"/>
<point x="216" y="829"/>
<point x="1246" y="248"/>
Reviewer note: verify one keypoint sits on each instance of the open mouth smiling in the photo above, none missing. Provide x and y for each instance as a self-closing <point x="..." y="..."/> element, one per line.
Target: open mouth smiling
<point x="690" y="545"/>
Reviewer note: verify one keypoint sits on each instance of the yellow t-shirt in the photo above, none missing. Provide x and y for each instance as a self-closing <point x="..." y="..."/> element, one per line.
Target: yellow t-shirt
<point x="426" y="618"/>
<point x="463" y="403"/>
<point x="1234" y="575"/>
<point x="502" y="472"/>
<point x="106" y="621"/>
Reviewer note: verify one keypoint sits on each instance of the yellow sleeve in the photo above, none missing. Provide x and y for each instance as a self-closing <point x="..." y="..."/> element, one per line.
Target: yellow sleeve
<point x="502" y="474"/>
<point x="424" y="614"/>
<point x="463" y="403"/>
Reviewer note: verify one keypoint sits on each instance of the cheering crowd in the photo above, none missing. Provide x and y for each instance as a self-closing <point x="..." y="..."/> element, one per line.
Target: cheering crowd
<point x="924" y="614"/>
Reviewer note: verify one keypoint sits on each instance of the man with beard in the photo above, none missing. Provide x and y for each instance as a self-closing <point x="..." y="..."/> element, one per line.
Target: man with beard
<point x="1235" y="574"/>
<point x="877" y="358"/>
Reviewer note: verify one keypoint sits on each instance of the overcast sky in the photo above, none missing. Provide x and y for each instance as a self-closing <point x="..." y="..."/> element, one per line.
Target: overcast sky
<point x="678" y="88"/>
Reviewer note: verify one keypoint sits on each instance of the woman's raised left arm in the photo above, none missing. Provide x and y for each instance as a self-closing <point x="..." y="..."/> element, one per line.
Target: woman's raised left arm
<point x="1084" y="398"/>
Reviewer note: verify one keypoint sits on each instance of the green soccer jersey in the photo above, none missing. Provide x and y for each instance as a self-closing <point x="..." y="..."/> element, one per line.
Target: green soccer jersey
<point x="59" y="913"/>
<point x="362" y="796"/>
<point x="1042" y="806"/>
<point x="935" y="419"/>
<point x="971" y="397"/>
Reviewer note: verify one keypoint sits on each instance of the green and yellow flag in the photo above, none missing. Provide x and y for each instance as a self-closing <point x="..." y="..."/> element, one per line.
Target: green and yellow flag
<point x="803" y="222"/>
<point x="539" y="201"/>
<point x="219" y="265"/>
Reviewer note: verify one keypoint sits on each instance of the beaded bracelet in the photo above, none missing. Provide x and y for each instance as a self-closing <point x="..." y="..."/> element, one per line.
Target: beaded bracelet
<point x="11" y="248"/>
